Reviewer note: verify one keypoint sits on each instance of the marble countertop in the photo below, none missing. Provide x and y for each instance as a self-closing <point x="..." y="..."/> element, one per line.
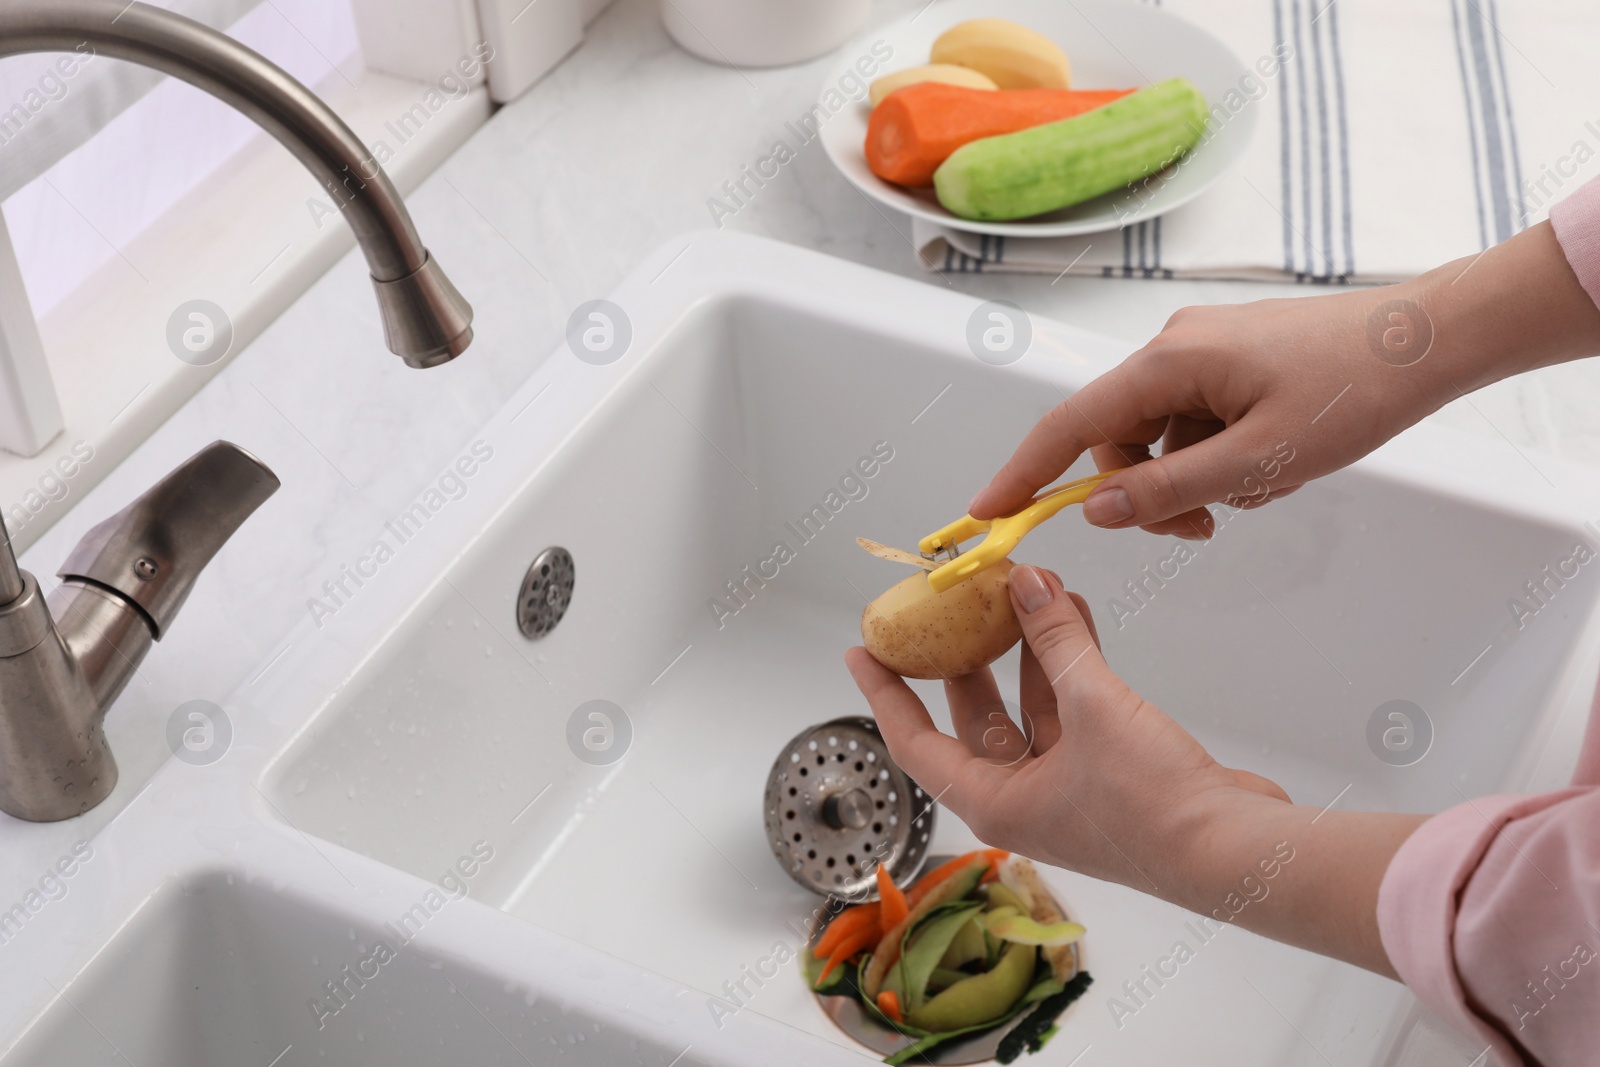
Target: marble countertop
<point x="548" y="206"/>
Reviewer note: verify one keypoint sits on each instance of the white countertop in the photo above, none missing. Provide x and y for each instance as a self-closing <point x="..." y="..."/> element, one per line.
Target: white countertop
<point x="546" y="207"/>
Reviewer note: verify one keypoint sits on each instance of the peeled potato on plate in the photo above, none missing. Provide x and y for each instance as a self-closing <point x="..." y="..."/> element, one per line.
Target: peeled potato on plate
<point x="944" y="73"/>
<point x="918" y="633"/>
<point x="1012" y="56"/>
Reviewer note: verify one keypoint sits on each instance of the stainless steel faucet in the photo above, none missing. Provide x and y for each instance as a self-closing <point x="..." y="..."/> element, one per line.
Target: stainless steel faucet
<point x="425" y="320"/>
<point x="62" y="663"/>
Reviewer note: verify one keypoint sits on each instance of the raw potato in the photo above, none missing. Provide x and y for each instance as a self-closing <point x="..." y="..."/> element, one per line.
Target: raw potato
<point x="918" y="633"/>
<point x="1013" y="56"/>
<point x="948" y="73"/>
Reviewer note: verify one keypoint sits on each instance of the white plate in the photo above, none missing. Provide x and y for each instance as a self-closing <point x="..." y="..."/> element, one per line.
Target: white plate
<point x="1111" y="44"/>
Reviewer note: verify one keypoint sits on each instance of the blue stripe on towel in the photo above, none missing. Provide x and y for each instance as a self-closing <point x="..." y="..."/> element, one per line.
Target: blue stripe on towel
<point x="1305" y="143"/>
<point x="1493" y="134"/>
<point x="1521" y="221"/>
<point x="1324" y="156"/>
<point x="1472" y="124"/>
<point x="1283" y="141"/>
<point x="1344" y="145"/>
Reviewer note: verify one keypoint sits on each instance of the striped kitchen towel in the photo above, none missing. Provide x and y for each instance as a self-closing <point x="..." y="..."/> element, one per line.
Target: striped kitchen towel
<point x="1399" y="134"/>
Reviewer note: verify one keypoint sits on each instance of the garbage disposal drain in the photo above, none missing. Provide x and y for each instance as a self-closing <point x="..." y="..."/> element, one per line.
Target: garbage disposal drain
<point x="837" y="806"/>
<point x="546" y="592"/>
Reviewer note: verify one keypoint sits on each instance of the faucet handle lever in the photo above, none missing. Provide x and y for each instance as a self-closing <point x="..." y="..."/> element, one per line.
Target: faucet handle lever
<point x="152" y="551"/>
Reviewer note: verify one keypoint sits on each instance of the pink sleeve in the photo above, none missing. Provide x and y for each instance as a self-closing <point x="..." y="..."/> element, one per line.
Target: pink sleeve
<point x="1577" y="224"/>
<point x="1490" y="912"/>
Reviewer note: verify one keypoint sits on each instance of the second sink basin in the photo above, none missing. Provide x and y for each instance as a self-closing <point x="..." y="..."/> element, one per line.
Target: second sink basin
<point x="221" y="969"/>
<point x="772" y="405"/>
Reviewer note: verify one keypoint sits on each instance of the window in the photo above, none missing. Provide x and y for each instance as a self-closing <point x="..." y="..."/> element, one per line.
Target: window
<point x="122" y="193"/>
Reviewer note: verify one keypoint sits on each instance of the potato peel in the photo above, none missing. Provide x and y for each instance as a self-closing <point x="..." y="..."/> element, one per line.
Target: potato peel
<point x="897" y="555"/>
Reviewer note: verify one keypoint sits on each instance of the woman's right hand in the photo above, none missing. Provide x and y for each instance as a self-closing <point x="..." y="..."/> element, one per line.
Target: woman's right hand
<point x="1251" y="401"/>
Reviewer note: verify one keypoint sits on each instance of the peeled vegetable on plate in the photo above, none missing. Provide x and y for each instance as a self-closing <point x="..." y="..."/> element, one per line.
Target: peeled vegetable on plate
<point x="1014" y="56"/>
<point x="917" y="127"/>
<point x="1059" y="164"/>
<point x="939" y="73"/>
<point x="1031" y="146"/>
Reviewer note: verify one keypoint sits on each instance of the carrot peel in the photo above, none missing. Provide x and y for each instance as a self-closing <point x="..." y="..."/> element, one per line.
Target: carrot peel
<point x="844" y="924"/>
<point x="995" y="856"/>
<point x="847" y="948"/>
<point x="889" y="1004"/>
<point x="892" y="905"/>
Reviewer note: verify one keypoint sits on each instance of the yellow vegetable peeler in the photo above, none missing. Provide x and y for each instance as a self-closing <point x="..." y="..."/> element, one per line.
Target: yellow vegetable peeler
<point x="1004" y="533"/>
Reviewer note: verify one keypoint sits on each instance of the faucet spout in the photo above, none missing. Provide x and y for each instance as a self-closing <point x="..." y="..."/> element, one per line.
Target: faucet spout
<point x="426" y="321"/>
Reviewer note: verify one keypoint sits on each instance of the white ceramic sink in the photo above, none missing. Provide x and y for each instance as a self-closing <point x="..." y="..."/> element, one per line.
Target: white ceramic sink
<point x="220" y="970"/>
<point x="412" y="720"/>
<point x="736" y="411"/>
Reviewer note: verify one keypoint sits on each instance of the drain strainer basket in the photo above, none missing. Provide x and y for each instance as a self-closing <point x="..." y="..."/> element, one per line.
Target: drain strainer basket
<point x="837" y="806"/>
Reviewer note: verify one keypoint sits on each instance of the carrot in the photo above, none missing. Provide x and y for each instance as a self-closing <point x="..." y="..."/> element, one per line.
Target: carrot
<point x="844" y="924"/>
<point x="916" y="128"/>
<point x="995" y="856"/>
<point x="849" y="947"/>
<point x="892" y="903"/>
<point x="889" y="1004"/>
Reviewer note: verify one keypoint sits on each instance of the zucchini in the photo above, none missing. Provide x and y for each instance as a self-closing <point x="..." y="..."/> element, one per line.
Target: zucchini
<point x="981" y="998"/>
<point x="967" y="946"/>
<point x="924" y="949"/>
<point x="1030" y="172"/>
<point x="813" y="967"/>
<point x="1031" y="1033"/>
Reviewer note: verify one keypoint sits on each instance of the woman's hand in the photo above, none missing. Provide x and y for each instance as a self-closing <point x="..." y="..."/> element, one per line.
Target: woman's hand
<point x="1250" y="401"/>
<point x="1095" y="778"/>
<point x="1099" y="780"/>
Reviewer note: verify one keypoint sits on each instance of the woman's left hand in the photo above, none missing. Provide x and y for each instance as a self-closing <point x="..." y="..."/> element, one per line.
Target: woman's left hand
<point x="1095" y="778"/>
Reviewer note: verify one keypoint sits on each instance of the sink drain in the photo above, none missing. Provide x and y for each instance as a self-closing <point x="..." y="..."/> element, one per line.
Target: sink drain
<point x="848" y="1015"/>
<point x="836" y="806"/>
<point x="546" y="592"/>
